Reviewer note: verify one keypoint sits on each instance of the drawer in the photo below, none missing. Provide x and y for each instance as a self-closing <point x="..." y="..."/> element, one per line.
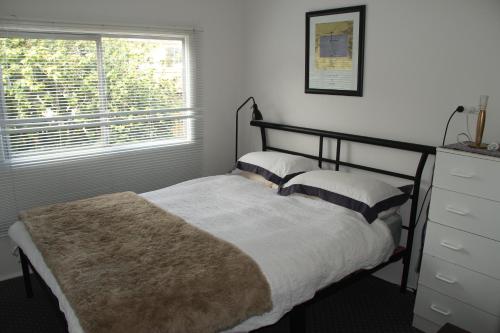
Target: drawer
<point x="468" y="286"/>
<point x="425" y="325"/>
<point x="442" y="309"/>
<point x="475" y="176"/>
<point x="471" y="251"/>
<point x="472" y="214"/>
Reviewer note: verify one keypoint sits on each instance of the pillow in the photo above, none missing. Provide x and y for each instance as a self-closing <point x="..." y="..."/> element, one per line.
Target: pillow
<point x="370" y="197"/>
<point x="275" y="167"/>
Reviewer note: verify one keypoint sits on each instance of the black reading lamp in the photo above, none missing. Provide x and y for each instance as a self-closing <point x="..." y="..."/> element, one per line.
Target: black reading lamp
<point x="256" y="115"/>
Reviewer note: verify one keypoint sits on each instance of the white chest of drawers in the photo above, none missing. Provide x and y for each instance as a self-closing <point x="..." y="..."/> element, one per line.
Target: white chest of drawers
<point x="459" y="280"/>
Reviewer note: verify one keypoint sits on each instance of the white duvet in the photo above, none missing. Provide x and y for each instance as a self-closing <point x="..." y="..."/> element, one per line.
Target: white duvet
<point x="300" y="244"/>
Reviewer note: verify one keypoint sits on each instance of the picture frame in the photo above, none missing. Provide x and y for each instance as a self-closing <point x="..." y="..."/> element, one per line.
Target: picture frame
<point x="335" y="41"/>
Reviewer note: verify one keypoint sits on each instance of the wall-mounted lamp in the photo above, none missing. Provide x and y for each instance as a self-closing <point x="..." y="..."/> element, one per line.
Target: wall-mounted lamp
<point x="481" y="121"/>
<point x="256" y="115"/>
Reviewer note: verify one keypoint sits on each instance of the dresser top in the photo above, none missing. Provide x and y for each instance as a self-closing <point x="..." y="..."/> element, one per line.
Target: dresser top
<point x="468" y="154"/>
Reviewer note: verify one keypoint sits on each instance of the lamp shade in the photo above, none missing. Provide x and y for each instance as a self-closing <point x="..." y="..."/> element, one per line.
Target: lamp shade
<point x="256" y="115"/>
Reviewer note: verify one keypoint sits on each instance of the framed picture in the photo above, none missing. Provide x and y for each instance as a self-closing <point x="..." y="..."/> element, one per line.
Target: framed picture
<point x="335" y="51"/>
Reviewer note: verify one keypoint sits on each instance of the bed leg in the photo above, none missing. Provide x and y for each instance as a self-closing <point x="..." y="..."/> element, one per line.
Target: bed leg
<point x="298" y="319"/>
<point x="404" y="277"/>
<point x="26" y="274"/>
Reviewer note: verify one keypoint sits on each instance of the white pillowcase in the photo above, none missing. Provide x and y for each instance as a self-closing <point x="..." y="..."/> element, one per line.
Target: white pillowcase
<point x="370" y="197"/>
<point x="274" y="166"/>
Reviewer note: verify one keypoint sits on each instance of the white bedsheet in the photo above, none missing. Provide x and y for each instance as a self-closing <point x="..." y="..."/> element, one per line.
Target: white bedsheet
<point x="300" y="244"/>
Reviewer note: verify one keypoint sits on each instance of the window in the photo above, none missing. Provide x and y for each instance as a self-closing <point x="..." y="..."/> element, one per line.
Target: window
<point x="66" y="94"/>
<point x="87" y="110"/>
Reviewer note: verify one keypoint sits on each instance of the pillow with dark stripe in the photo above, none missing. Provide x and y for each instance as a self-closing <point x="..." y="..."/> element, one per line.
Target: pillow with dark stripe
<point x="370" y="197"/>
<point x="275" y="167"/>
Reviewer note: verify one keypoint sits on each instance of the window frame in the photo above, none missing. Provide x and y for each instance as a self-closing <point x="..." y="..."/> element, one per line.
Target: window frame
<point x="75" y="34"/>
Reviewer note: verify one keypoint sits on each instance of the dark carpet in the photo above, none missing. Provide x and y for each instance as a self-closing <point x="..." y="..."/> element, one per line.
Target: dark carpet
<point x="369" y="305"/>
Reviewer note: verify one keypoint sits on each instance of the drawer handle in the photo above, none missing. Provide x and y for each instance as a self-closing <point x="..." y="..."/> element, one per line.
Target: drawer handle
<point x="451" y="246"/>
<point x="441" y="277"/>
<point x="460" y="174"/>
<point x="439" y="310"/>
<point x="457" y="211"/>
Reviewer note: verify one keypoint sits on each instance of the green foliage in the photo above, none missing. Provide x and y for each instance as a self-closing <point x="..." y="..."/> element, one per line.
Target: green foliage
<point x="141" y="75"/>
<point x="46" y="78"/>
<point x="42" y="74"/>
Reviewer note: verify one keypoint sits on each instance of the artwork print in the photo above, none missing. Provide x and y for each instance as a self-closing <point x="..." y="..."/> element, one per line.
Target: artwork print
<point x="334" y="45"/>
<point x="335" y="51"/>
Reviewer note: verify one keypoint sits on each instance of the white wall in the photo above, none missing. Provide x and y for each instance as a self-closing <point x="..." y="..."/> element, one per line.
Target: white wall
<point x="221" y="50"/>
<point x="422" y="59"/>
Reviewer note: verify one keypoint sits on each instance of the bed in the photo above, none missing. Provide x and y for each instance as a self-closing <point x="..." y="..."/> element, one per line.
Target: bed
<point x="268" y="228"/>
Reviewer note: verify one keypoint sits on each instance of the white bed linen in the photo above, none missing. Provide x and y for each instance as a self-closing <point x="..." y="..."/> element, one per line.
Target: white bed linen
<point x="300" y="244"/>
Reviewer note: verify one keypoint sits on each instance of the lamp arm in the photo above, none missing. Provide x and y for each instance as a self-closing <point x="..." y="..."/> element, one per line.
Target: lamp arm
<point x="236" y="140"/>
<point x="244" y="103"/>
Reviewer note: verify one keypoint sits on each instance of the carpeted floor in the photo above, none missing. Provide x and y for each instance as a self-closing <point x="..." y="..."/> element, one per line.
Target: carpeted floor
<point x="370" y="305"/>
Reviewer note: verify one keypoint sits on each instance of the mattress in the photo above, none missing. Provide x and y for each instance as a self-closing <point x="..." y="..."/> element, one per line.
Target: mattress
<point x="301" y="245"/>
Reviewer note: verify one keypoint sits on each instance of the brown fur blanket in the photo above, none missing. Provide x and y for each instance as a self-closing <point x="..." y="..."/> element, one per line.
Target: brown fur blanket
<point x="126" y="265"/>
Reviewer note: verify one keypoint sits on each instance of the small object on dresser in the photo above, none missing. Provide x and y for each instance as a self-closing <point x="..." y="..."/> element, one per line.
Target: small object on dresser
<point x="449" y="328"/>
<point x="493" y="146"/>
<point x="464" y="146"/>
<point x="481" y="121"/>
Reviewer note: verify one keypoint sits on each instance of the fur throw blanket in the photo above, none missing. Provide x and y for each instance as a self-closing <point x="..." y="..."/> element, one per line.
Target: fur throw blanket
<point x="126" y="265"/>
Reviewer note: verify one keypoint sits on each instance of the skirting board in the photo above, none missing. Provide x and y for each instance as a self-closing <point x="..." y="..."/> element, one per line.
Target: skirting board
<point x="10" y="276"/>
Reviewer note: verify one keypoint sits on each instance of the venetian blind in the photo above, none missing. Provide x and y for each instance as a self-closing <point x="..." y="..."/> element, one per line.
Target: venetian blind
<point x="89" y="113"/>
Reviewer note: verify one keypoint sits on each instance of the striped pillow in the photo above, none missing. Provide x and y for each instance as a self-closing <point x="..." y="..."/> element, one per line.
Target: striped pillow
<point x="275" y="167"/>
<point x="368" y="196"/>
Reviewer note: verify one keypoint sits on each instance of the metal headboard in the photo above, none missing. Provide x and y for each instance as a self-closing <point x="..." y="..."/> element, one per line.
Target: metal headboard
<point x="424" y="151"/>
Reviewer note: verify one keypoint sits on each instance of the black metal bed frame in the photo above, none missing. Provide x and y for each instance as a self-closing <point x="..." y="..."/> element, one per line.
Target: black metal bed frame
<point x="298" y="314"/>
